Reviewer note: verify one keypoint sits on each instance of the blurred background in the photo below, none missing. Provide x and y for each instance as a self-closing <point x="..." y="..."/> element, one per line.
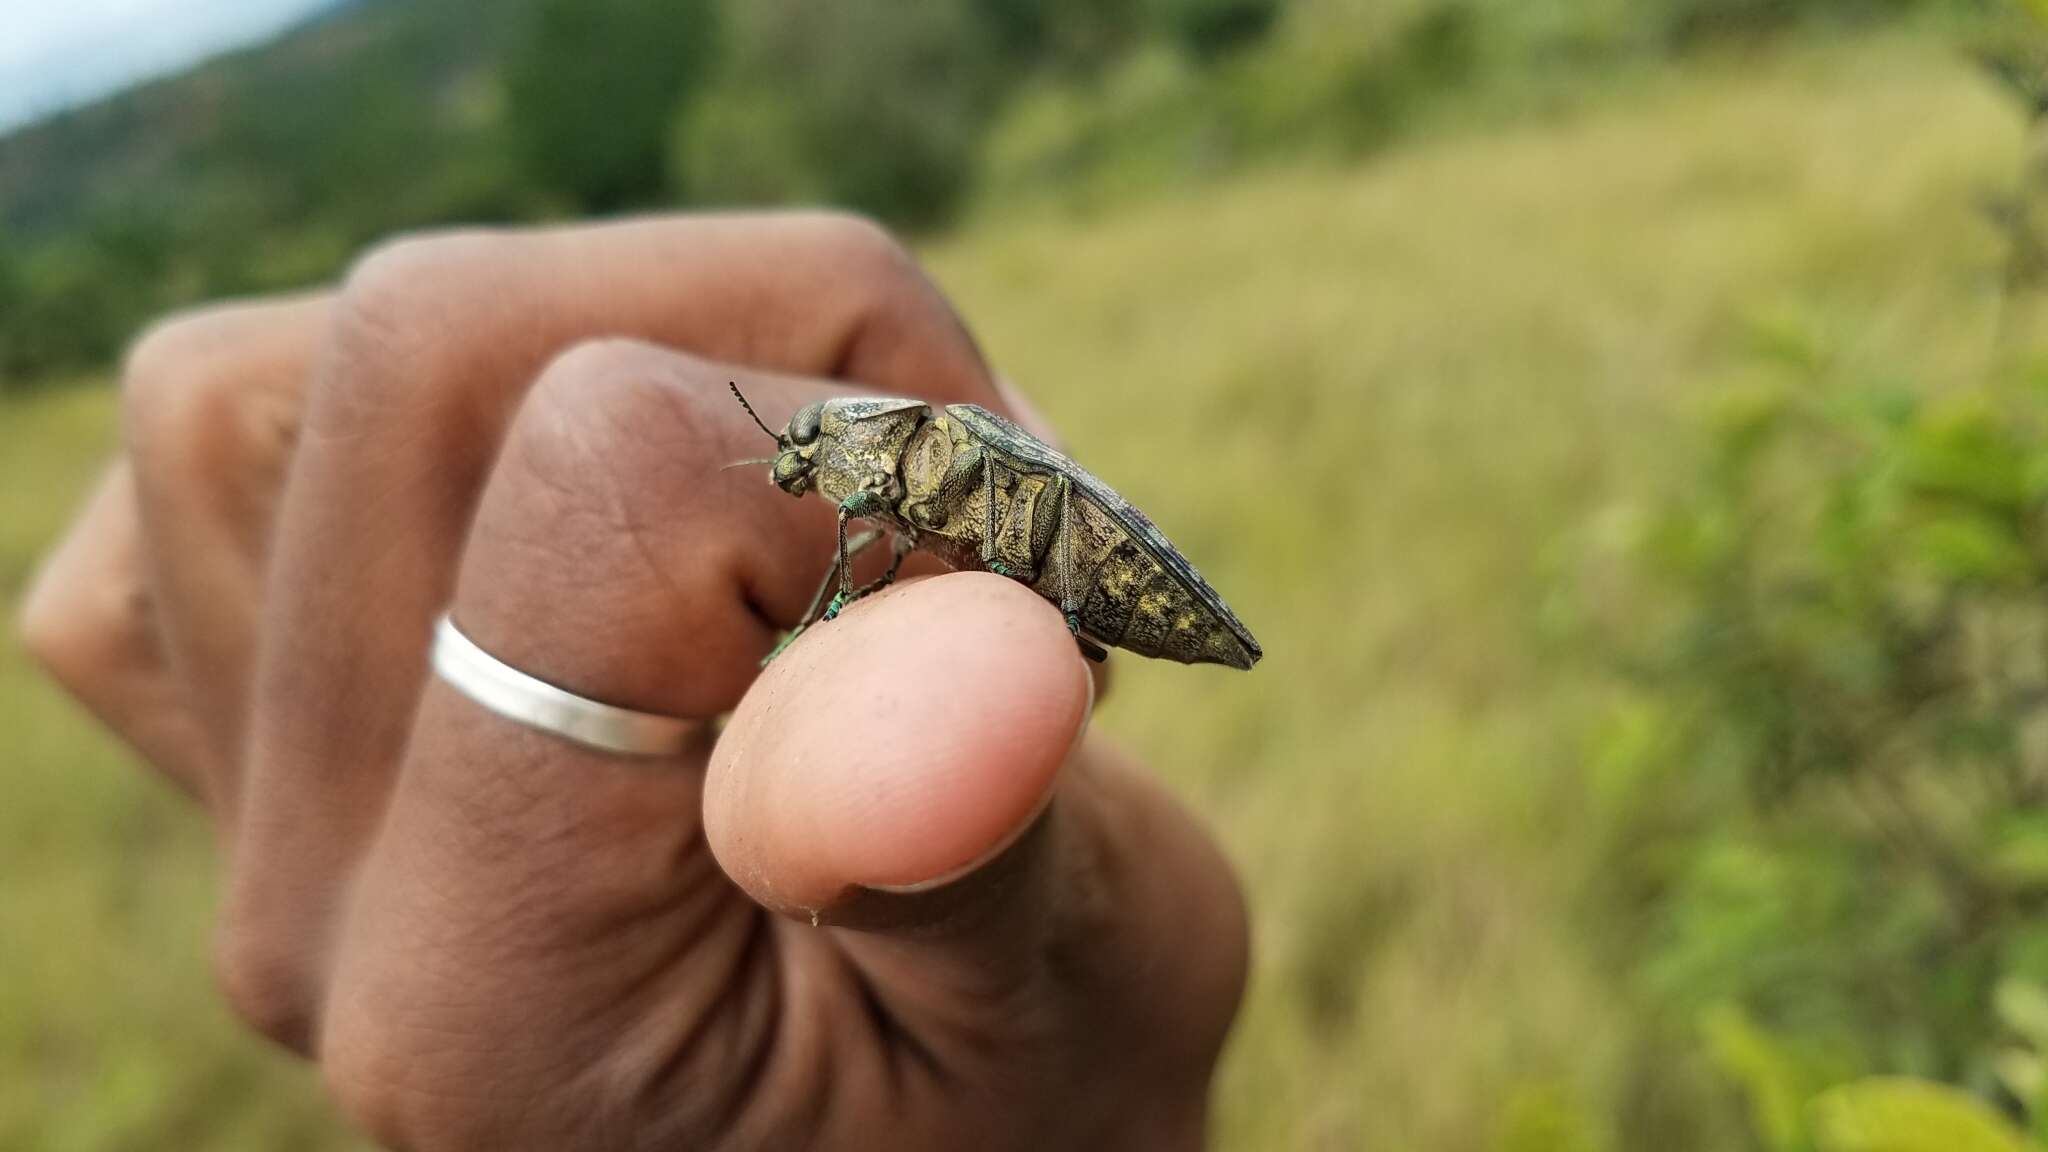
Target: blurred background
<point x="1625" y="423"/>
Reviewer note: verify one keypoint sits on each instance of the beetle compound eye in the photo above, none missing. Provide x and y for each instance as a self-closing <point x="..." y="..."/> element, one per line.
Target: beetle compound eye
<point x="803" y="427"/>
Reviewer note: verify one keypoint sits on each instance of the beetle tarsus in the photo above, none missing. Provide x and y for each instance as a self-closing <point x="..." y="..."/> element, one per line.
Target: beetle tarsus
<point x="1089" y="648"/>
<point x="902" y="546"/>
<point x="811" y="614"/>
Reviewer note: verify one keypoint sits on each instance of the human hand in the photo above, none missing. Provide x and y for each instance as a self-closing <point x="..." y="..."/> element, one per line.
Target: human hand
<point x="489" y="937"/>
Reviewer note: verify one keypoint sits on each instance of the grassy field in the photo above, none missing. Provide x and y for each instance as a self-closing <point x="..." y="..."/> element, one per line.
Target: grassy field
<point x="1379" y="405"/>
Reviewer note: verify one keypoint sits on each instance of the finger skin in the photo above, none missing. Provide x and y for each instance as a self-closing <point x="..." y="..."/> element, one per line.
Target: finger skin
<point x="511" y="862"/>
<point x="543" y="923"/>
<point x="540" y="949"/>
<point x="905" y="742"/>
<point x="434" y="345"/>
<point x="89" y="621"/>
<point x="212" y="401"/>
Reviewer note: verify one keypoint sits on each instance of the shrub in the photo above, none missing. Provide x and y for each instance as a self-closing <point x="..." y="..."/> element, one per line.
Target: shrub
<point x="1688" y="22"/>
<point x="1840" y="830"/>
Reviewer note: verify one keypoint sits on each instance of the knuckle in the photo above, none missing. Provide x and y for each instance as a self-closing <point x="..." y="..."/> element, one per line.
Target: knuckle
<point x="263" y="983"/>
<point x="393" y="278"/>
<point x="76" y="626"/>
<point x="160" y="358"/>
<point x="50" y="635"/>
<point x="608" y="368"/>
<point x="870" y="251"/>
<point x="183" y="411"/>
<point x="165" y="382"/>
<point x="399" y="305"/>
<point x="604" y="464"/>
<point x="611" y="408"/>
<point x="899" y="322"/>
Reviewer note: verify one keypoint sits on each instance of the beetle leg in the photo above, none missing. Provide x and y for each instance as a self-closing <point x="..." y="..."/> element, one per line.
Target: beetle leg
<point x="858" y="545"/>
<point x="861" y="503"/>
<point x="1070" y="600"/>
<point x="904" y="544"/>
<point x="990" y="550"/>
<point x="1061" y="492"/>
<point x="988" y="532"/>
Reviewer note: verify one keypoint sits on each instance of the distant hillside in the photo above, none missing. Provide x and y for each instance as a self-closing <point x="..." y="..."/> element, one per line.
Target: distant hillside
<point x="269" y="168"/>
<point x="344" y="109"/>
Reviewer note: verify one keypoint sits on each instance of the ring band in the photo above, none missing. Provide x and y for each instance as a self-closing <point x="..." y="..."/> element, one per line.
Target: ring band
<point x="505" y="690"/>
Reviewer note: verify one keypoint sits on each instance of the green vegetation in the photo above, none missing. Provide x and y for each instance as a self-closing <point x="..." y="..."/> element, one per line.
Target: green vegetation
<point x="109" y="1038"/>
<point x="1439" y="372"/>
<point x="268" y="169"/>
<point x="590" y="89"/>
<point x="1642" y="504"/>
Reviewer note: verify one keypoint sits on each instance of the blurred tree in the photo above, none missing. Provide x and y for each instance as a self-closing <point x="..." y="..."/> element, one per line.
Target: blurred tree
<point x="1212" y="29"/>
<point x="73" y="301"/>
<point x="1689" y="21"/>
<point x="594" y="85"/>
<point x="744" y="142"/>
<point x="14" y="372"/>
<point x="1073" y="35"/>
<point x="864" y="103"/>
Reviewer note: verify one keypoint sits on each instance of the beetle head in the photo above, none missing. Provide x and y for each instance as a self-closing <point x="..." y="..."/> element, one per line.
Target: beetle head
<point x="798" y="442"/>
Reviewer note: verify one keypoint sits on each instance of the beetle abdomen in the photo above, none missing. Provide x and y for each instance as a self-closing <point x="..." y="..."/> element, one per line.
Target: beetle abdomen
<point x="980" y="491"/>
<point x="1134" y="603"/>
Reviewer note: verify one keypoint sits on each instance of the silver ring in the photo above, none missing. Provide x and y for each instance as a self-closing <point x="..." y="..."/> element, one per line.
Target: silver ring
<point x="505" y="690"/>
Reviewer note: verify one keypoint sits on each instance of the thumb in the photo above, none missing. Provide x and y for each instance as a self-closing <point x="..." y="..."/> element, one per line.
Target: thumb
<point x="895" y="773"/>
<point x="899" y="748"/>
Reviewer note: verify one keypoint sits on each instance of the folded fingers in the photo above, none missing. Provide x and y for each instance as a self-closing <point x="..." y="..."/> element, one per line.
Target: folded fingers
<point x="527" y="895"/>
<point x="211" y="404"/>
<point x="91" y="621"/>
<point x="433" y="346"/>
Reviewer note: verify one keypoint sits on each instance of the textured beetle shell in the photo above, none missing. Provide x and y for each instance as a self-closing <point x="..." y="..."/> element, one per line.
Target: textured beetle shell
<point x="1140" y="593"/>
<point x="1143" y="595"/>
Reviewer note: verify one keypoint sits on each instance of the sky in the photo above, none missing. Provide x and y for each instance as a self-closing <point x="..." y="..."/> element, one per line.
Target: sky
<point x="56" y="53"/>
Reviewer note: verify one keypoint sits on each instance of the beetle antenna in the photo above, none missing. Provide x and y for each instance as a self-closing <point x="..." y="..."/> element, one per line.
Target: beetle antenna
<point x="745" y="463"/>
<point x="736" y="394"/>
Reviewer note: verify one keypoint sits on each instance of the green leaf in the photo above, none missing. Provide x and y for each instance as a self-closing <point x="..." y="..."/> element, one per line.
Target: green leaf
<point x="1964" y="546"/>
<point x="1967" y="451"/>
<point x="2017" y="854"/>
<point x="1770" y="1077"/>
<point x="1900" y="1115"/>
<point x="2023" y="1007"/>
<point x="1543" y="1117"/>
<point x="2020" y="1072"/>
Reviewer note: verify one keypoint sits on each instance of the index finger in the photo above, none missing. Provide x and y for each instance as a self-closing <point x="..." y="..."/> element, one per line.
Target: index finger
<point x="435" y="343"/>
